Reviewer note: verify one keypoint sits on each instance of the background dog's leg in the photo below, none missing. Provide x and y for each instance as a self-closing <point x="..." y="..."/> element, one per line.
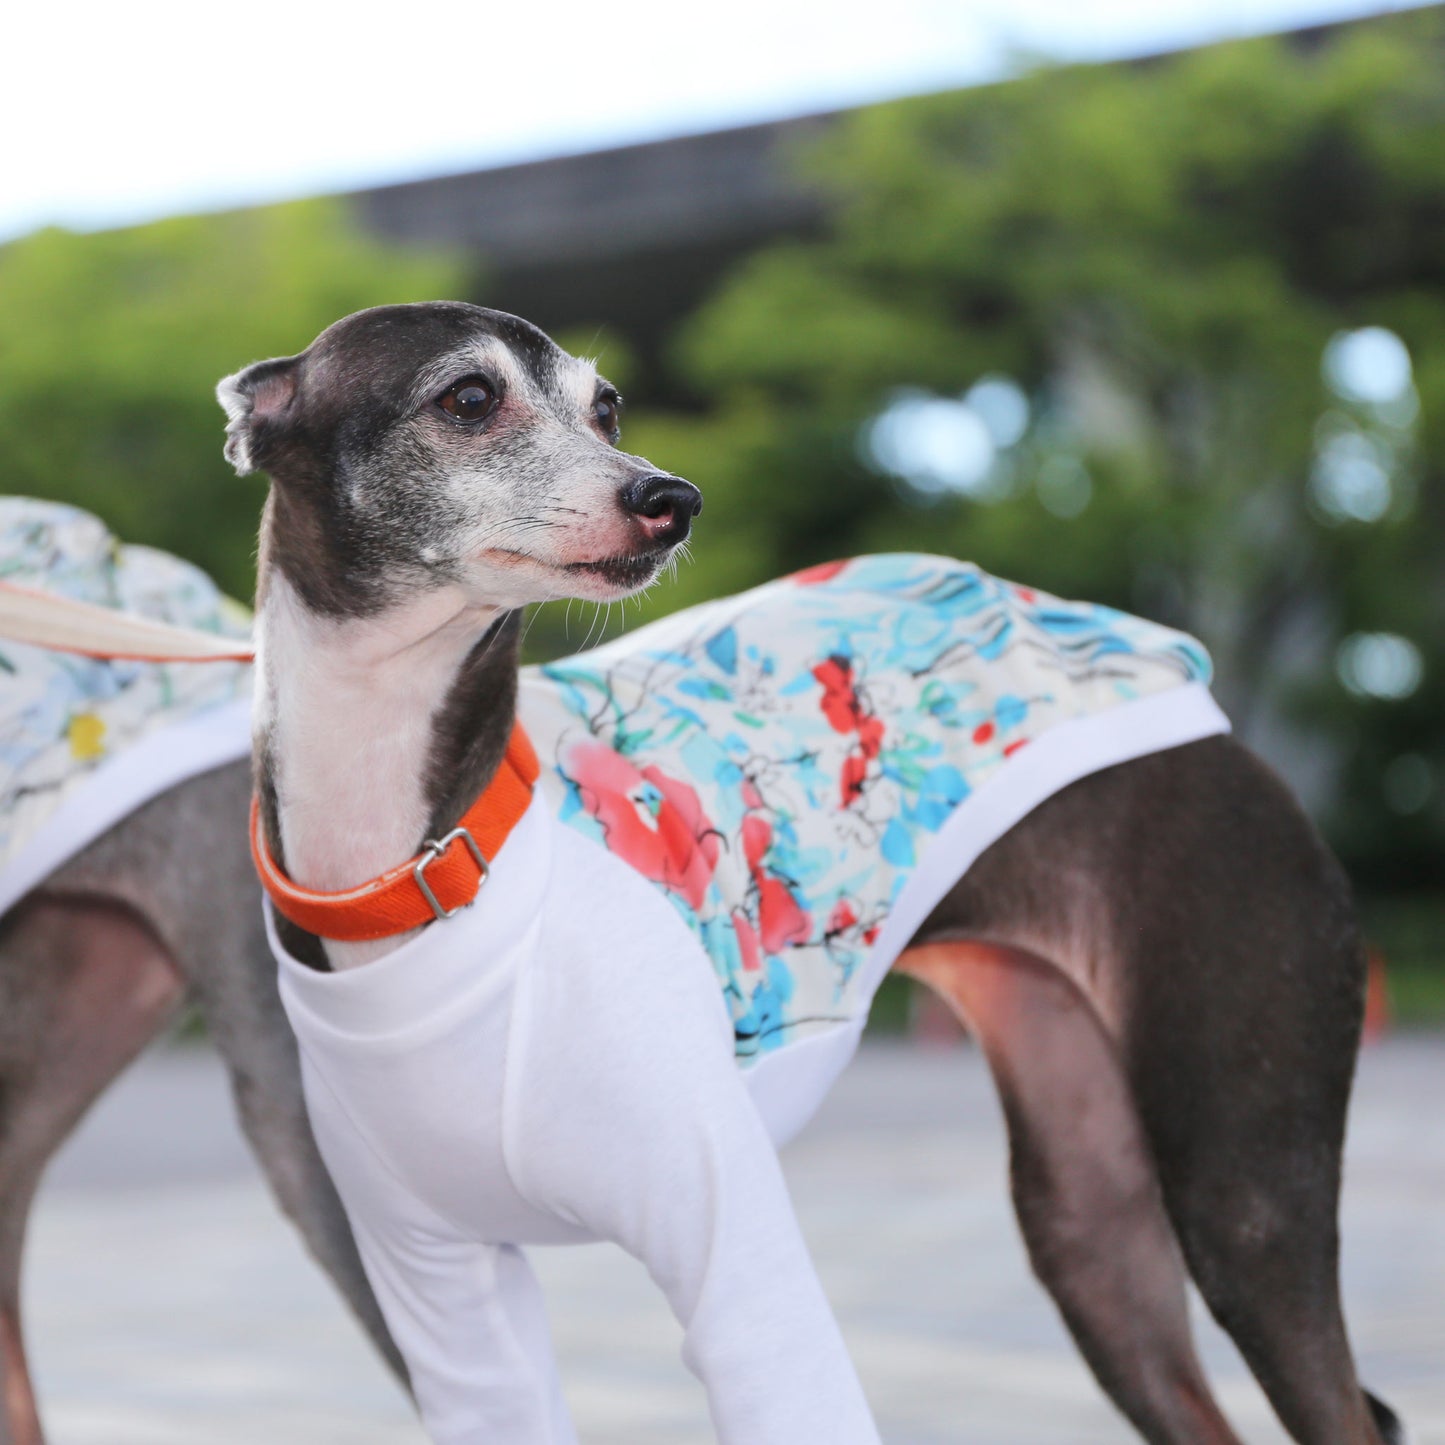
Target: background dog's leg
<point x="203" y="898"/>
<point x="1084" y="1185"/>
<point x="84" y="986"/>
<point x="247" y="1026"/>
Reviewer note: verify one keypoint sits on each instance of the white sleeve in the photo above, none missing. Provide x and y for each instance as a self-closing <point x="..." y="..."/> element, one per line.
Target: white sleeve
<point x="626" y="1114"/>
<point x="467" y="1317"/>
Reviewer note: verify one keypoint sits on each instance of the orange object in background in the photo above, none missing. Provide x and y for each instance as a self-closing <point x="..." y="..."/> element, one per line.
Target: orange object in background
<point x="1377" y="996"/>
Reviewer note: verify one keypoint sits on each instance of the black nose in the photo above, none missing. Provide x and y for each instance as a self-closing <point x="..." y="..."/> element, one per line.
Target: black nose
<point x="663" y="505"/>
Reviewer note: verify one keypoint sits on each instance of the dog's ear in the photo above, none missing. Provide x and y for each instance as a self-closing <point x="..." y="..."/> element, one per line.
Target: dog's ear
<point x="255" y="400"/>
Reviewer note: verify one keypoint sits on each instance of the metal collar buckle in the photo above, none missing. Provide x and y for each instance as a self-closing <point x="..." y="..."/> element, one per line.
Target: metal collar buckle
<point x="434" y="848"/>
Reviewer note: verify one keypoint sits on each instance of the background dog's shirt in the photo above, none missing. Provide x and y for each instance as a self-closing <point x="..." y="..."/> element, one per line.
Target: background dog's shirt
<point x="64" y="717"/>
<point x="779" y="762"/>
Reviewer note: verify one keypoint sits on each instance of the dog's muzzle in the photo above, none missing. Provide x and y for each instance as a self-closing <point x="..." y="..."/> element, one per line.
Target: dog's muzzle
<point x="664" y="507"/>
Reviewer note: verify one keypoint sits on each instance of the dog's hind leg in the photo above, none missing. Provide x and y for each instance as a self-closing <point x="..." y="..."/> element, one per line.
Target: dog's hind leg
<point x="1242" y="1016"/>
<point x="1188" y="897"/>
<point x="84" y="986"/>
<point x="1084" y="1187"/>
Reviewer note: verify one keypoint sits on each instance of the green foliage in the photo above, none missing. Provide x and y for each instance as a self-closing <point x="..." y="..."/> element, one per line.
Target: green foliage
<point x="110" y="345"/>
<point x="1158" y="254"/>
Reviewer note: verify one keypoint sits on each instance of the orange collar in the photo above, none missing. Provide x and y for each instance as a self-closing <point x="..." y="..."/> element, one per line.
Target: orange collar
<point x="444" y="877"/>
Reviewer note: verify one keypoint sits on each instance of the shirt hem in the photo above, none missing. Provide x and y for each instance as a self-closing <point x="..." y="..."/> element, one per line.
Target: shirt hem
<point x="120" y="785"/>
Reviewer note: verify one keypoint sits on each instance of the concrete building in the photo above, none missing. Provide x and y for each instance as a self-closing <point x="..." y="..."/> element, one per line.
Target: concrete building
<point x="629" y="239"/>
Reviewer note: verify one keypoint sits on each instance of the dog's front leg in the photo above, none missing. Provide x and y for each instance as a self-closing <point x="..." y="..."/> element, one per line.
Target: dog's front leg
<point x="629" y="1116"/>
<point x="467" y="1315"/>
<point x="673" y="1164"/>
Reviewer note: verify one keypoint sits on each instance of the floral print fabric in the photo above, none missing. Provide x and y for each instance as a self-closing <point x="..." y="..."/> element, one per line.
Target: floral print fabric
<point x="62" y="715"/>
<point x="776" y="762"/>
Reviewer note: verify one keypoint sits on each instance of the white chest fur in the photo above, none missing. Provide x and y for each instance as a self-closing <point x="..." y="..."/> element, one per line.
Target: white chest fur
<point x="345" y="709"/>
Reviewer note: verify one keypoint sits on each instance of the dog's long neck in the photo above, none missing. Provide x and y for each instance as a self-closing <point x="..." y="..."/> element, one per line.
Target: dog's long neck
<point x="374" y="732"/>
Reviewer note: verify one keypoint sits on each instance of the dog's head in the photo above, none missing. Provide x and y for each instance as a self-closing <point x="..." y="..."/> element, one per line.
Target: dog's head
<point x="444" y="444"/>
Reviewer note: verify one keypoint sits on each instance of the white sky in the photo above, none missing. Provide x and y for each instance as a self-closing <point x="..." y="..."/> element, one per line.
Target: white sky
<point x="130" y="109"/>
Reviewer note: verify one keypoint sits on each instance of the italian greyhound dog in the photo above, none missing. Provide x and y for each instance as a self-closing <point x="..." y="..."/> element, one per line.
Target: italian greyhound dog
<point x="1160" y="961"/>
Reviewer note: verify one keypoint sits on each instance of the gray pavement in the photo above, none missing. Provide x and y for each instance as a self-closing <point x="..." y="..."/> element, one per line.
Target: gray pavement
<point x="168" y="1302"/>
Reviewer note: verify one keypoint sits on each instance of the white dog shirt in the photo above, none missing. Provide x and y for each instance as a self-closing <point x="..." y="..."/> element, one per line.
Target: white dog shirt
<point x="745" y="812"/>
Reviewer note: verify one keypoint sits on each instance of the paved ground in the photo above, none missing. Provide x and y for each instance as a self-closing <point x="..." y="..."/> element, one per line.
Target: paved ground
<point x="169" y="1304"/>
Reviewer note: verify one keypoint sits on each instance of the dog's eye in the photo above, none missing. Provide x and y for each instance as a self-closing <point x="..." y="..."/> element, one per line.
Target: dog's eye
<point x="472" y="399"/>
<point x="609" y="415"/>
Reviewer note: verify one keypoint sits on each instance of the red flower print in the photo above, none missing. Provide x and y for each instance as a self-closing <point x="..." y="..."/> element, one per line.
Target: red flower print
<point x="842" y="705"/>
<point x="651" y="821"/>
<point x="840" y="699"/>
<point x="747" y="937"/>
<point x="781" y="920"/>
<point x="757" y="839"/>
<point x="870" y="736"/>
<point x="823" y="572"/>
<point x="845" y="917"/>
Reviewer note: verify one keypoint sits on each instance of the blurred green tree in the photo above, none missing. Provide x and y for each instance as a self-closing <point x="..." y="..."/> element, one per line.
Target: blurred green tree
<point x="1156" y="257"/>
<point x="110" y="344"/>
